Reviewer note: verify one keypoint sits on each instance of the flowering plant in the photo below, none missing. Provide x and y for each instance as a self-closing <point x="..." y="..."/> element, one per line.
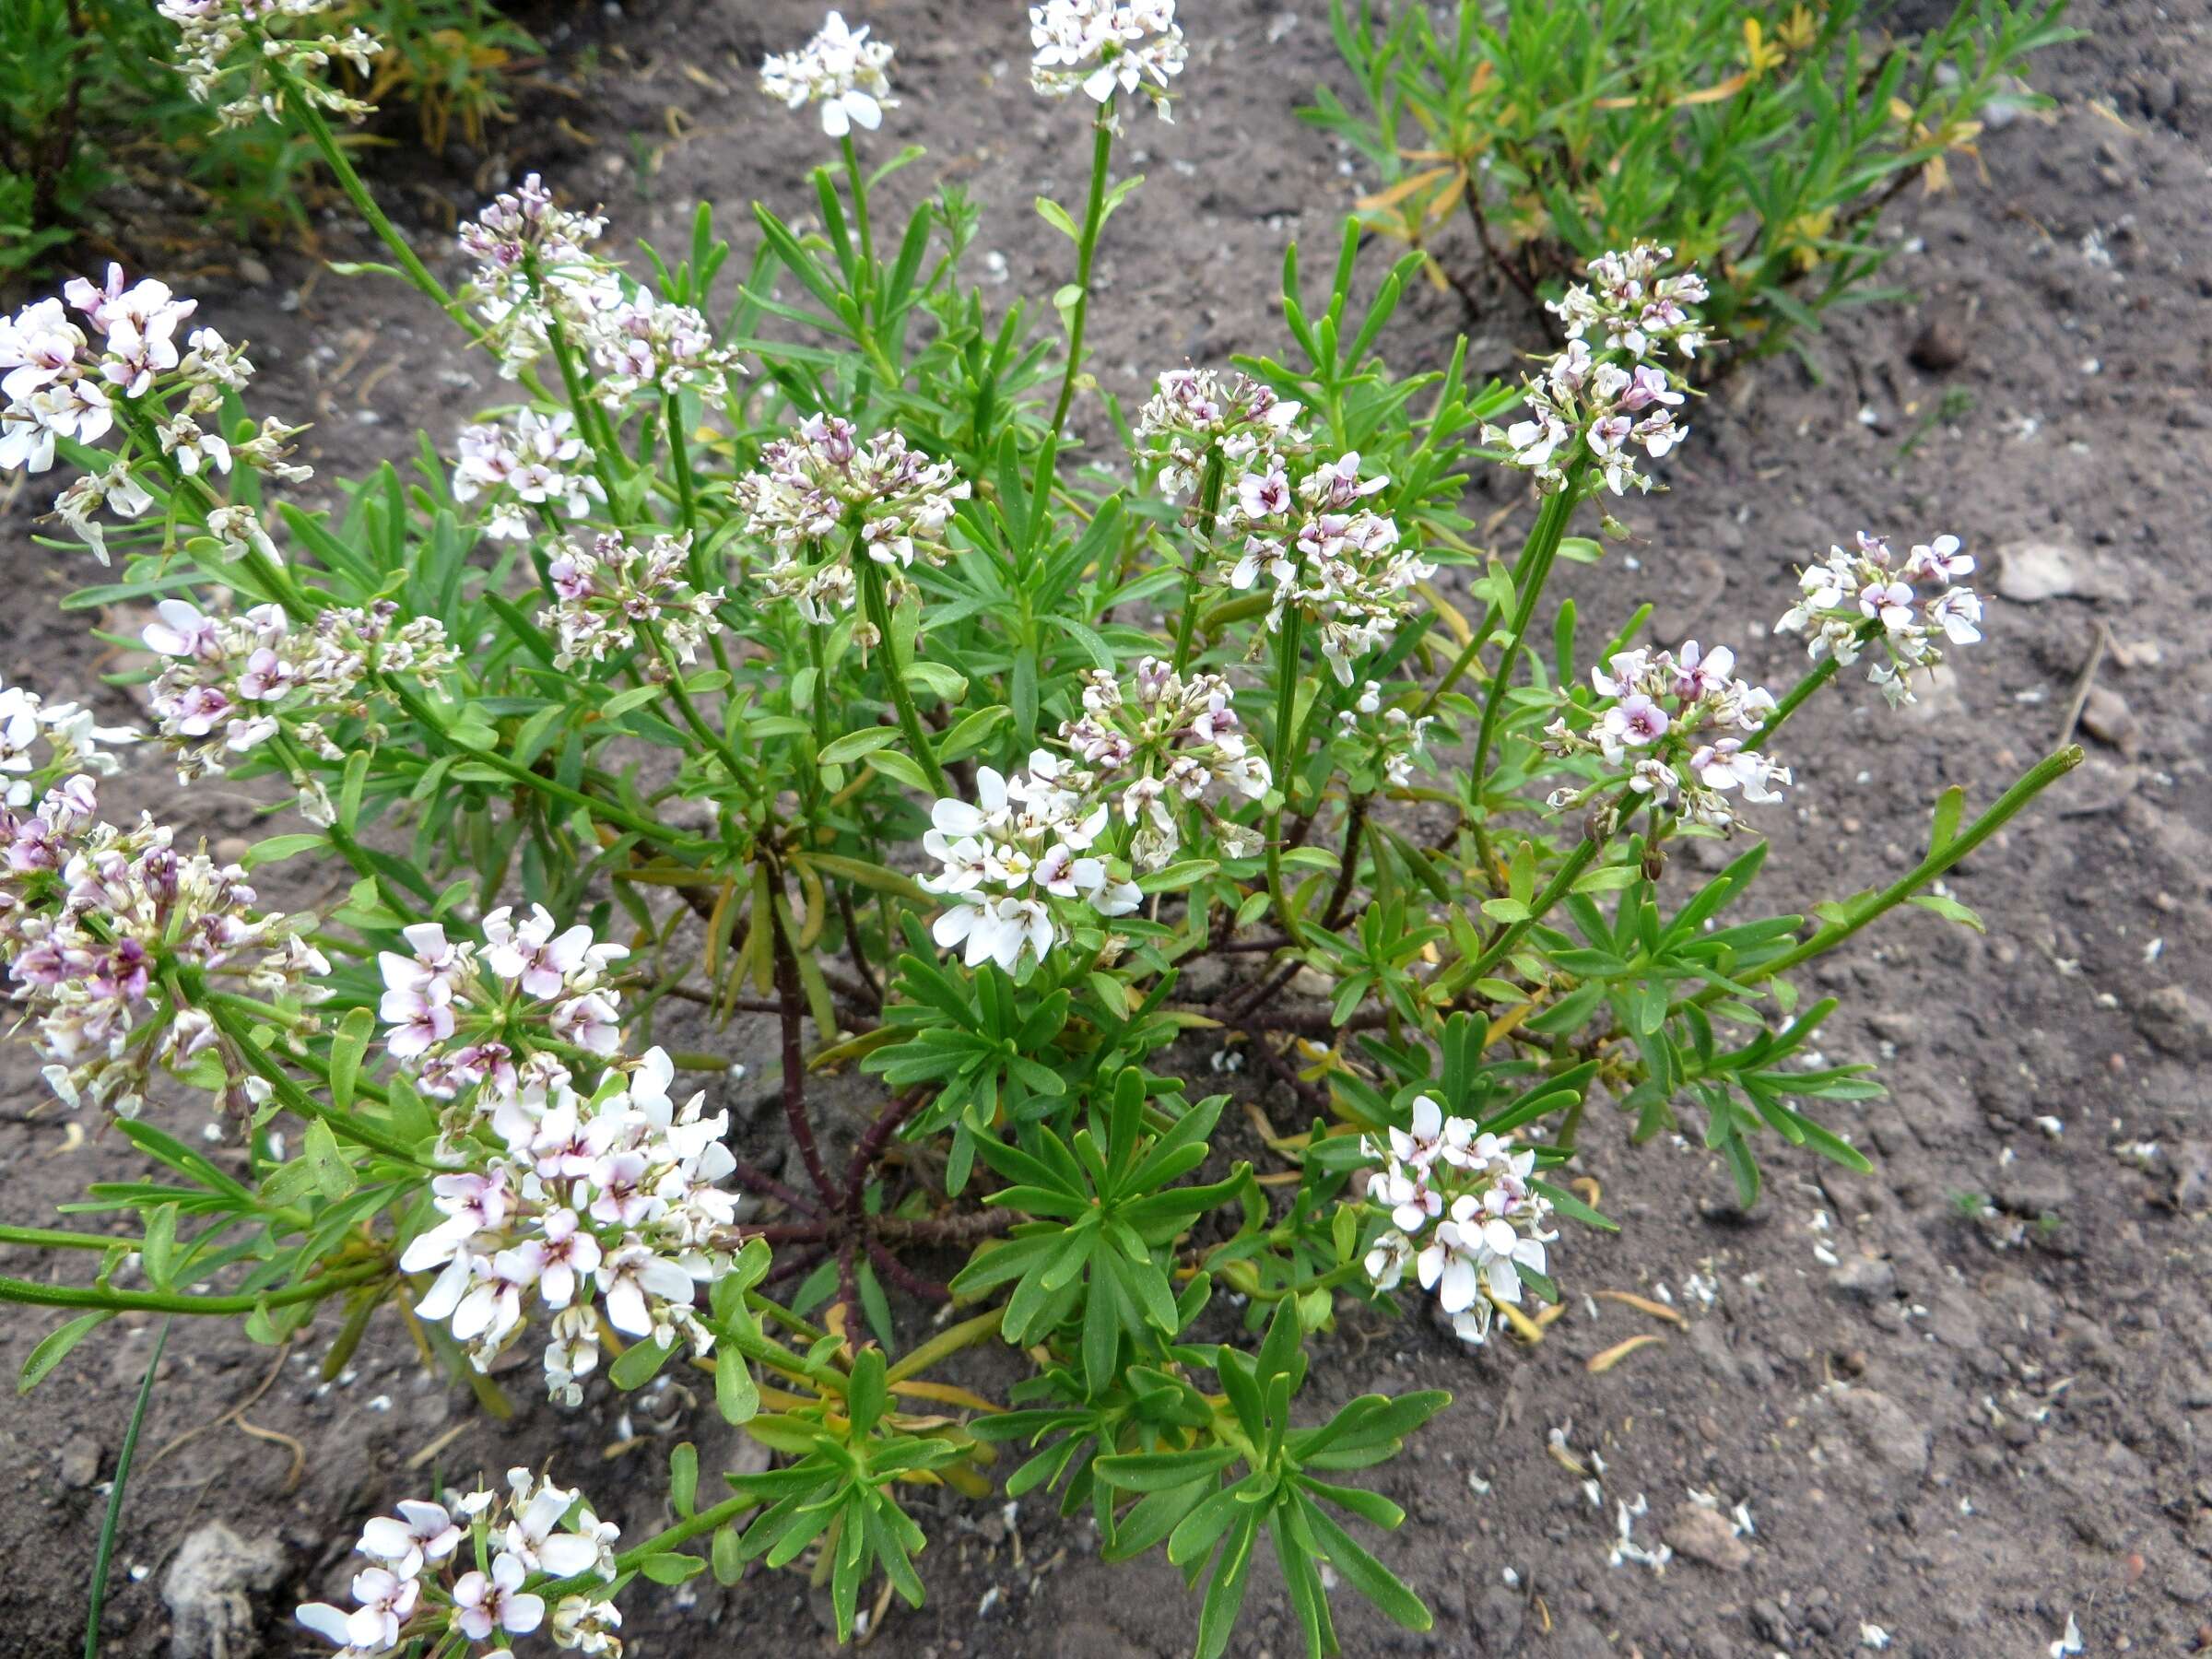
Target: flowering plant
<point x="1761" y="139"/>
<point x="726" y="677"/>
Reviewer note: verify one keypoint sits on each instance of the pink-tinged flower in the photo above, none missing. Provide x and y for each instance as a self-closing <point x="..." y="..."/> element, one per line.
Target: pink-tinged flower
<point x="591" y="1022"/>
<point x="420" y="1532"/>
<point x="483" y="1604"/>
<point x="1890" y="601"/>
<point x="493" y="1306"/>
<point x="563" y="1253"/>
<point x="530" y="1536"/>
<point x="1636" y="722"/>
<point x="630" y="1275"/>
<point x="1958" y="611"/>
<point x="419" y="1018"/>
<point x="1697" y="672"/>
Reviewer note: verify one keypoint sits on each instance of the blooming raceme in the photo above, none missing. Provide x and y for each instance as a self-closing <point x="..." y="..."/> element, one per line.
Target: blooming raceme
<point x="1674" y="732"/>
<point x="1100" y="47"/>
<point x="607" y="595"/>
<point x="1341" y="566"/>
<point x="213" y="32"/>
<point x="1016" y="863"/>
<point x="538" y="275"/>
<point x="1191" y="414"/>
<point x="1615" y="398"/>
<point x="611" y="1202"/>
<point x="1169" y="740"/>
<point x="1462" y="1214"/>
<point x="465" y="1015"/>
<point x="91" y="916"/>
<point x="68" y="371"/>
<point x="538" y="459"/>
<point x="823" y="493"/>
<point x="842" y="69"/>
<point x="231" y="683"/>
<point x="415" y="1585"/>
<point x="1864" y="595"/>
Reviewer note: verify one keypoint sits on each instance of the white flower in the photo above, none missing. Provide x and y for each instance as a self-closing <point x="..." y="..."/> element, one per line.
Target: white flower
<point x="1098" y="47"/>
<point x="483" y="1604"/>
<point x="842" y="69"/>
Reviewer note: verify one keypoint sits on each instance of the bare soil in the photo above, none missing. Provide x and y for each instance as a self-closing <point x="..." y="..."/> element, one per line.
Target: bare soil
<point x="1958" y="1422"/>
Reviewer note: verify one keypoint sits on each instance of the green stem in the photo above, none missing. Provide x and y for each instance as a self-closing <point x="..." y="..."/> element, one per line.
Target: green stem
<point x="877" y="607"/>
<point x="859" y="222"/>
<point x="1202" y="552"/>
<point x="1094" y="213"/>
<point x="1550" y="527"/>
<point x="54" y="1238"/>
<point x="1530" y="574"/>
<point x="1288" y="641"/>
<point x="290" y="1093"/>
<point x="2007" y="806"/>
<point x="156" y="1302"/>
<point x="1805" y="687"/>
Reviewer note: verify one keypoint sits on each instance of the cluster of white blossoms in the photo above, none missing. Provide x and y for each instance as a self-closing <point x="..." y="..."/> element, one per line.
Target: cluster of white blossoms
<point x="824" y="494"/>
<point x="461" y="1013"/>
<point x="65" y="734"/>
<point x="1017" y="861"/>
<point x="1615" y="398"/>
<point x="1102" y="47"/>
<point x="413" y="1588"/>
<point x="527" y="460"/>
<point x="1674" y="727"/>
<point x="1388" y="740"/>
<point x="67" y="369"/>
<point x="1192" y="415"/>
<point x="536" y="276"/>
<point x="607" y="595"/>
<point x="1461" y="1213"/>
<point x="213" y="32"/>
<point x="1167" y="741"/>
<point x="842" y="69"/>
<point x="230" y="683"/>
<point x="1858" y="597"/>
<point x="607" y="1205"/>
<point x="1342" y="566"/>
<point x="90" y="915"/>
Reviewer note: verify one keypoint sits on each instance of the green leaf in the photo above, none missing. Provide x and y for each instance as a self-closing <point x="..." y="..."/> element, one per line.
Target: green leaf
<point x="347" y="1051"/>
<point x="623" y="702"/>
<point x="637" y="1364"/>
<point x="278" y="847"/>
<point x="854" y="744"/>
<point x="683" y="1480"/>
<point x="333" y="1175"/>
<point x="937" y="679"/>
<point x="55" y="1346"/>
<point x="1950" y="909"/>
<point x="736" y="1396"/>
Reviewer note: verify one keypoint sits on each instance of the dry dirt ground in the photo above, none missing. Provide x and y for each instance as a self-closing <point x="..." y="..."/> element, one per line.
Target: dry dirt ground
<point x="1960" y="1400"/>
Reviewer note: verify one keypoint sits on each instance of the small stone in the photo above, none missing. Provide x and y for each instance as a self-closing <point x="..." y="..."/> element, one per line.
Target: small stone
<point x="1705" y="1534"/>
<point x="2034" y="571"/>
<point x="80" y="1460"/>
<point x="1938" y="347"/>
<point x="210" y="1589"/>
<point x="1870" y="1277"/>
<point x="2173" y="1018"/>
<point x="252" y="273"/>
<point x="1886" y="1430"/>
<point x="2106" y="717"/>
<point x="2189" y="1584"/>
<point x="230" y="848"/>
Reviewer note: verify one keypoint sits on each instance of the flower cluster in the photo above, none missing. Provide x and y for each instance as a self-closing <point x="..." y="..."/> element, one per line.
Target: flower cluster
<point x="539" y="458"/>
<point x="1855" y="598"/>
<point x="1190" y="414"/>
<point x="457" y="1012"/>
<point x="1340" y="565"/>
<point x="72" y="744"/>
<point x="611" y="1202"/>
<point x="1489" y="1221"/>
<point x="232" y="683"/>
<point x="1021" y="845"/>
<point x="1376" y="739"/>
<point x="607" y="595"/>
<point x="213" y="32"/>
<point x="1168" y="739"/>
<point x="1615" y="398"/>
<point x="1675" y="727"/>
<point x="823" y="493"/>
<point x="59" y="384"/>
<point x="414" y="1588"/>
<point x="840" y="69"/>
<point x="1100" y="47"/>
<point x="94" y="922"/>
